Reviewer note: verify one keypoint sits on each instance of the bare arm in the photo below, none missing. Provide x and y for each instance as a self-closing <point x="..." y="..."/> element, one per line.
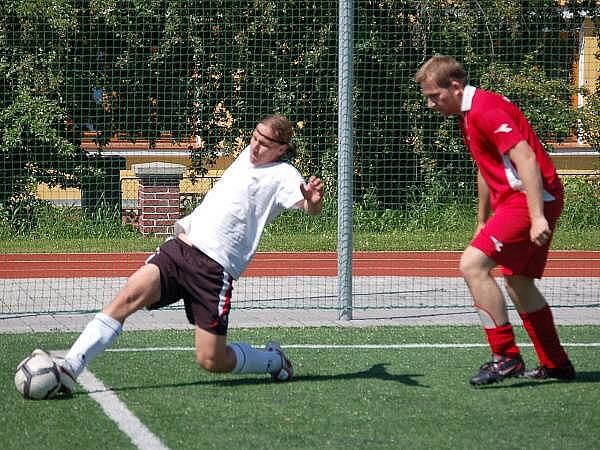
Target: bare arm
<point x="527" y="167"/>
<point x="484" y="208"/>
<point x="313" y="196"/>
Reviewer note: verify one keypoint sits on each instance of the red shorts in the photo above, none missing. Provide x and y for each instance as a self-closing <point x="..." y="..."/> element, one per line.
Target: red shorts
<point x="187" y="273"/>
<point x="505" y="239"/>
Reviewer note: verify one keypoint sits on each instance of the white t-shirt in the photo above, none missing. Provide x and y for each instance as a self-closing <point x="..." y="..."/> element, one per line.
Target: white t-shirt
<point x="229" y="222"/>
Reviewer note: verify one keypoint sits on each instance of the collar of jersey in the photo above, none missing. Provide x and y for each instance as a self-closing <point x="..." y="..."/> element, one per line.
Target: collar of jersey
<point x="467" y="100"/>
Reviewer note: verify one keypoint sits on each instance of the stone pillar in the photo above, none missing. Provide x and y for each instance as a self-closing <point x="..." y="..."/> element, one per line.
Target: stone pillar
<point x="158" y="196"/>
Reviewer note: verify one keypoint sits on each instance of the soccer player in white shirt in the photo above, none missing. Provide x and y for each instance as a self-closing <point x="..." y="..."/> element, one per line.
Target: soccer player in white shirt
<point x="211" y="248"/>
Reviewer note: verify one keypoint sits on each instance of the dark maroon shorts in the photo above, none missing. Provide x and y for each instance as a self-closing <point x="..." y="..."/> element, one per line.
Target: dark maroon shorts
<point x="187" y="273"/>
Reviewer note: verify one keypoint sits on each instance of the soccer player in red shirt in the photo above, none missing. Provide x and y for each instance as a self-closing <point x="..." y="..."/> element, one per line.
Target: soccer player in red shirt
<point x="520" y="200"/>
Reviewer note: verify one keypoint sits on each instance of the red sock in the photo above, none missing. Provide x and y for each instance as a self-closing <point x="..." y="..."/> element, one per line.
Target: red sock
<point x="540" y="328"/>
<point x="502" y="341"/>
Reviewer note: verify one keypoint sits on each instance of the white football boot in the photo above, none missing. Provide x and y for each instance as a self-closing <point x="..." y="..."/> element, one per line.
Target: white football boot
<point x="287" y="371"/>
<point x="67" y="379"/>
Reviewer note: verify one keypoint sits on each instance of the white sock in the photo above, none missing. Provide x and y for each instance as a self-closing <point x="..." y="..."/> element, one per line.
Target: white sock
<point x="252" y="360"/>
<point x="97" y="336"/>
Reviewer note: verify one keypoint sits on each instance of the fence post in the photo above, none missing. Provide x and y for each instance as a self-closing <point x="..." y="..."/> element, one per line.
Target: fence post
<point x="158" y="196"/>
<point x="345" y="163"/>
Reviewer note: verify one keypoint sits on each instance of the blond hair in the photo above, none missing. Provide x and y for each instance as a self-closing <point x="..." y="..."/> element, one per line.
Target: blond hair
<point x="443" y="70"/>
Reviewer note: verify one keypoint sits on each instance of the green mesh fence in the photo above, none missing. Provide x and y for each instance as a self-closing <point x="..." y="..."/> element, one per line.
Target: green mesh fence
<point x="91" y="91"/>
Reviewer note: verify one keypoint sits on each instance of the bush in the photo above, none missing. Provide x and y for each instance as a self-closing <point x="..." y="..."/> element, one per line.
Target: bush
<point x="590" y="120"/>
<point x="543" y="100"/>
<point x="18" y="214"/>
<point x="39" y="219"/>
<point x="582" y="203"/>
<point x="46" y="221"/>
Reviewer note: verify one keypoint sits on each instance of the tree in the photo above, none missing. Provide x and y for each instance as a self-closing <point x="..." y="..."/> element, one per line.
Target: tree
<point x="37" y="142"/>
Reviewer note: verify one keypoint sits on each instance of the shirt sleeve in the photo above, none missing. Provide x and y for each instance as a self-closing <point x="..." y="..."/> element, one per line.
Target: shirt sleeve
<point x="289" y="193"/>
<point x="499" y="129"/>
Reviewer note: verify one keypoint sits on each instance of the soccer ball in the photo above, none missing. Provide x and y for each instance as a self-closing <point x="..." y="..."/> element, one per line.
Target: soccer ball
<point x="37" y="376"/>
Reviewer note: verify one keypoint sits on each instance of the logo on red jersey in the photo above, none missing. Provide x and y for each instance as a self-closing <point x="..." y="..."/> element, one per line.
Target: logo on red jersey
<point x="504" y="128"/>
<point x="497" y="244"/>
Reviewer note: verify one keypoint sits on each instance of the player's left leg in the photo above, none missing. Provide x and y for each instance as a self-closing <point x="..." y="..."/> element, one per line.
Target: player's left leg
<point x="207" y="291"/>
<point x="539" y="324"/>
<point x="475" y="267"/>
<point x="212" y="352"/>
<point x="214" y="355"/>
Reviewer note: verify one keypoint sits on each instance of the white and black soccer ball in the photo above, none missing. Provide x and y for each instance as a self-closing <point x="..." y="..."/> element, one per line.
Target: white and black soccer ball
<point x="37" y="376"/>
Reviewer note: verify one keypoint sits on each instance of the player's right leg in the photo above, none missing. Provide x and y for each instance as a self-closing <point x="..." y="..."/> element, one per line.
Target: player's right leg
<point x="506" y="360"/>
<point x="141" y="289"/>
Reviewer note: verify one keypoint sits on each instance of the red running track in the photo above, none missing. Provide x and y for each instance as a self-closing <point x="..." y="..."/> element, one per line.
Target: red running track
<point x="277" y="264"/>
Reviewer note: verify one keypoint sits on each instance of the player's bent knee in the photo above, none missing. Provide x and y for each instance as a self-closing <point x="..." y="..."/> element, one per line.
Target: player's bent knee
<point x="463" y="267"/>
<point x="211" y="363"/>
<point x="474" y="264"/>
<point x="468" y="269"/>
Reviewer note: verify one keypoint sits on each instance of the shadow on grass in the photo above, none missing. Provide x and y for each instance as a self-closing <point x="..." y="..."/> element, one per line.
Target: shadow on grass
<point x="582" y="377"/>
<point x="377" y="372"/>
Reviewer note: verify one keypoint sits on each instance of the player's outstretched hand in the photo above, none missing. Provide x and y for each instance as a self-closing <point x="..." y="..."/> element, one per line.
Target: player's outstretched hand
<point x="313" y="195"/>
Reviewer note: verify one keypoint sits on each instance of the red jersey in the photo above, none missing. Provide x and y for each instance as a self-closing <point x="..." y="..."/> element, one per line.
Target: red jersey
<point x="491" y="126"/>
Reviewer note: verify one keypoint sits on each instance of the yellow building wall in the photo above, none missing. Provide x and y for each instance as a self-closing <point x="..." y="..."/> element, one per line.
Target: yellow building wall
<point x="591" y="68"/>
<point x="130" y="184"/>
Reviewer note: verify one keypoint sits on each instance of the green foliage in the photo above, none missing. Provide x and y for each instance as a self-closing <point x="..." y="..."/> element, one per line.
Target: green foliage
<point x="203" y="73"/>
<point x="36" y="219"/>
<point x="545" y="101"/>
<point x="296" y="221"/>
<point x="582" y="203"/>
<point x="31" y="146"/>
<point x="534" y="41"/>
<point x="41" y="91"/>
<point x="590" y="120"/>
<point x="431" y="213"/>
<point x="18" y="215"/>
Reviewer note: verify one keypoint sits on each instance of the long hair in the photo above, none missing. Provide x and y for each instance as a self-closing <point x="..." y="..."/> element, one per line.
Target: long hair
<point x="282" y="132"/>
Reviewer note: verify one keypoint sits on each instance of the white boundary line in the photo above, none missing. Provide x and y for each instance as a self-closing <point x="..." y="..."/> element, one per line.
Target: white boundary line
<point x="116" y="410"/>
<point x="350" y="346"/>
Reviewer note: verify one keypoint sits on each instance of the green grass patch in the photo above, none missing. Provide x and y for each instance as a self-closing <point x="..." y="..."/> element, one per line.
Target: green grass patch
<point x="586" y="239"/>
<point x="340" y="398"/>
<point x="80" y="245"/>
